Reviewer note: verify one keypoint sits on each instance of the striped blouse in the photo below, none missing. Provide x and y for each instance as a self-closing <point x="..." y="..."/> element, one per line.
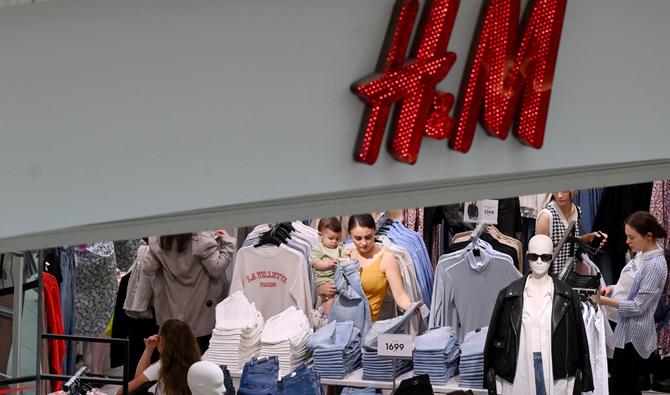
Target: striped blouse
<point x="636" y="325"/>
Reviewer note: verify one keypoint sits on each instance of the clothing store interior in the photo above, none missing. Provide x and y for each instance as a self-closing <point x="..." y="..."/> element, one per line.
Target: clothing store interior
<point x="554" y="293"/>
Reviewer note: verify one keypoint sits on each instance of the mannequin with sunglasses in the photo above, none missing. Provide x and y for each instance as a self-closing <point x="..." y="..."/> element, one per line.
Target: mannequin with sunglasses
<point x="536" y="342"/>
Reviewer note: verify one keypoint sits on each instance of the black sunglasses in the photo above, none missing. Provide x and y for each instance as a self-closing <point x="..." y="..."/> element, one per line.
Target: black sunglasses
<point x="534" y="257"/>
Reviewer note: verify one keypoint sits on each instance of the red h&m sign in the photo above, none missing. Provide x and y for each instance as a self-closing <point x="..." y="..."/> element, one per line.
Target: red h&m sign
<point x="508" y="74"/>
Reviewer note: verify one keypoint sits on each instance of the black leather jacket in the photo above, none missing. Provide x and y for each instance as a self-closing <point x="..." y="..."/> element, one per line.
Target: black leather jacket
<point x="569" y="347"/>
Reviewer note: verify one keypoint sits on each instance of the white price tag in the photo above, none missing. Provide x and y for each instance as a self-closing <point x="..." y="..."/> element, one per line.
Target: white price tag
<point x="481" y="212"/>
<point x="425" y="311"/>
<point x="395" y="346"/>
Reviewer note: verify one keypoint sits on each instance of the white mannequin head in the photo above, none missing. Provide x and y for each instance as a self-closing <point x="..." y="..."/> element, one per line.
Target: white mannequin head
<point x="540" y="245"/>
<point x="205" y="378"/>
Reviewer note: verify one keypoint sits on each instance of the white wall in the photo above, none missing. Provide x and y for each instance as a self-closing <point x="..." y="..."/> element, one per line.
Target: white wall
<point x="125" y="112"/>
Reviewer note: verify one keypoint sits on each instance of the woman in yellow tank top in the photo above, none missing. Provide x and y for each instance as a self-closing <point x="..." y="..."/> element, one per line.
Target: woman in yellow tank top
<point x="379" y="269"/>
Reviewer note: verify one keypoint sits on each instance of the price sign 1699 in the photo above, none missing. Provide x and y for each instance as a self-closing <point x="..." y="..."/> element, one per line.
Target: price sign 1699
<point x="395" y="346"/>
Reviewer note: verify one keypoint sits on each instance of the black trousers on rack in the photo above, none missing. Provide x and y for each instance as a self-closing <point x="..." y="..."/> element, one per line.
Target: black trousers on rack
<point x="625" y="371"/>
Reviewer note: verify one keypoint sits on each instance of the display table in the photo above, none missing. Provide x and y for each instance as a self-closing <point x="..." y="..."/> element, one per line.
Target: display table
<point x="355" y="379"/>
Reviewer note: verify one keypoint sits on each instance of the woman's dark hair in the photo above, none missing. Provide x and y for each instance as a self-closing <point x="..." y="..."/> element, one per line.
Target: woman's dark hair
<point x="645" y="223"/>
<point x="332" y="223"/>
<point x="180" y="351"/>
<point x="182" y="240"/>
<point x="362" y="220"/>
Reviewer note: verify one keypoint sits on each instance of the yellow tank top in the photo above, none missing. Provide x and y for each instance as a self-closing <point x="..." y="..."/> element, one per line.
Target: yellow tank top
<point x="375" y="285"/>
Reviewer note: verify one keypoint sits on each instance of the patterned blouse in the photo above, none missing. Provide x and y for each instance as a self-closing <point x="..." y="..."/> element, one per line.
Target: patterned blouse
<point x="96" y="287"/>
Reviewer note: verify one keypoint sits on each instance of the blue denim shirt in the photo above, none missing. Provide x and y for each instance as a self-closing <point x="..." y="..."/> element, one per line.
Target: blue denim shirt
<point x="350" y="304"/>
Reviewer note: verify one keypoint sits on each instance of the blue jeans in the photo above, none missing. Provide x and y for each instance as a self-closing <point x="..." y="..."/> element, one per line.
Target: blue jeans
<point x="302" y="381"/>
<point x="66" y="255"/>
<point x="259" y="377"/>
<point x="540" y="388"/>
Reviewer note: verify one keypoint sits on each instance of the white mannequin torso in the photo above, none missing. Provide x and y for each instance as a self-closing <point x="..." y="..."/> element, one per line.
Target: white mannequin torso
<point x="536" y="329"/>
<point x="535" y="302"/>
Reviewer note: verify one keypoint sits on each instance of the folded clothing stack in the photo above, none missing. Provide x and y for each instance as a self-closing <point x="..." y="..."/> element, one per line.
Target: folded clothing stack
<point x="337" y="349"/>
<point x="436" y="354"/>
<point x="237" y="335"/>
<point x="381" y="369"/>
<point x="285" y="336"/>
<point x="472" y="359"/>
<point x="359" y="391"/>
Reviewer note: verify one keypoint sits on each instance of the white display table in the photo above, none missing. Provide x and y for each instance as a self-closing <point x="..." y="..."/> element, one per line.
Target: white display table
<point x="355" y="379"/>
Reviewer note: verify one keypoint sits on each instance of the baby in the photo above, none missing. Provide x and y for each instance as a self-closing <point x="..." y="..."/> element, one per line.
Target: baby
<point x="325" y="256"/>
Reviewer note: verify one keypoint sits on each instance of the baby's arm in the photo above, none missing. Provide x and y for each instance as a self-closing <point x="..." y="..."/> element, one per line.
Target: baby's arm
<point x="324" y="264"/>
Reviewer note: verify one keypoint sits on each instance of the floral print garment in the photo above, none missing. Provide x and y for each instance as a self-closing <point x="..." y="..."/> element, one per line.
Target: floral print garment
<point x="96" y="287"/>
<point x="126" y="252"/>
<point x="660" y="206"/>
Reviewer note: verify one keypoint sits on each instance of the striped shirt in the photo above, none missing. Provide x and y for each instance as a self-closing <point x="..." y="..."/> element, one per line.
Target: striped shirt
<point x="636" y="324"/>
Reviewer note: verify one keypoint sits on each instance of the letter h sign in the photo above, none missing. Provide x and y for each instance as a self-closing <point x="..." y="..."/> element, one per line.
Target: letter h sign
<point x="505" y="77"/>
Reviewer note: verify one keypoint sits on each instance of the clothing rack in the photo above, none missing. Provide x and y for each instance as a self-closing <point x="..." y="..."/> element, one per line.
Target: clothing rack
<point x="39" y="376"/>
<point x="81" y="373"/>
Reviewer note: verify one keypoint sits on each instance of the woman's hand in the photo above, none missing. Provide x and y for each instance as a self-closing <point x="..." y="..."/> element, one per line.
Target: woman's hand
<point x="589" y="237"/>
<point x="607" y="291"/>
<point x="151" y="342"/>
<point x="327" y="290"/>
<point x="220" y="233"/>
<point x="605" y="301"/>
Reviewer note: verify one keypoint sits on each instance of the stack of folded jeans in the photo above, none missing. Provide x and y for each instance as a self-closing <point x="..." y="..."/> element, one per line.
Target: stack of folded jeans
<point x="260" y="377"/>
<point x="337" y="349"/>
<point x="436" y="354"/>
<point x="285" y="336"/>
<point x="381" y="369"/>
<point x="237" y="335"/>
<point x="472" y="359"/>
<point x="302" y="381"/>
<point x="359" y="391"/>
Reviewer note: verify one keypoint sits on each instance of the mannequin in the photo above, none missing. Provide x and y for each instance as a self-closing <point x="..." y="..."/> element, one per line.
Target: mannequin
<point x="545" y="349"/>
<point x="205" y="378"/>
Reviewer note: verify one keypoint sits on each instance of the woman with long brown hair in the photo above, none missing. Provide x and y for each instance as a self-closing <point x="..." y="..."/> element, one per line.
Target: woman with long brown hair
<point x="178" y="350"/>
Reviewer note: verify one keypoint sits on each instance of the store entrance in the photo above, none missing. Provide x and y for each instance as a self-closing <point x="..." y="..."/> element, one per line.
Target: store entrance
<point x="331" y="303"/>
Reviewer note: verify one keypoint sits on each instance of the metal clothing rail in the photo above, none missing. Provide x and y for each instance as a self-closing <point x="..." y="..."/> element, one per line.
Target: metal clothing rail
<point x="39" y="376"/>
<point x="123" y="381"/>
